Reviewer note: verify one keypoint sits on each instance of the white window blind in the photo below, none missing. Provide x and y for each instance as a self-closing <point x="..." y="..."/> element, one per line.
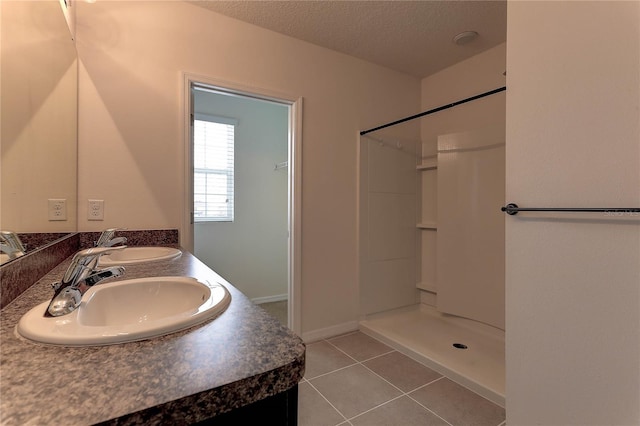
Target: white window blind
<point x="213" y="163"/>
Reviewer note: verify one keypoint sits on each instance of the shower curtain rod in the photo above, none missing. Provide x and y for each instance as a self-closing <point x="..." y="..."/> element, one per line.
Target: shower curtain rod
<point x="431" y="111"/>
<point x="512" y="209"/>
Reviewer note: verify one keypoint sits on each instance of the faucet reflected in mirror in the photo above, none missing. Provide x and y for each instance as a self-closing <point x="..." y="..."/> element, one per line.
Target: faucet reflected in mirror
<point x="106" y="238"/>
<point x="81" y="275"/>
<point x="30" y="242"/>
<point x="10" y="246"/>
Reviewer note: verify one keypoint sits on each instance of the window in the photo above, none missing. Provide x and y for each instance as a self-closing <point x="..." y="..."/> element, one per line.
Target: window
<point x="213" y="145"/>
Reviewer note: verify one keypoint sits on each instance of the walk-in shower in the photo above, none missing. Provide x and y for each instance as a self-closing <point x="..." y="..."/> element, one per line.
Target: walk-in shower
<point x="432" y="238"/>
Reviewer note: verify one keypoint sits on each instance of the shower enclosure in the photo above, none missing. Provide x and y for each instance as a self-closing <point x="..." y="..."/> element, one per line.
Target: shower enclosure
<point x="432" y="239"/>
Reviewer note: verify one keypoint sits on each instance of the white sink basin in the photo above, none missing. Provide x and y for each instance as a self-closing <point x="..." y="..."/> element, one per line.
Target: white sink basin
<point x="130" y="255"/>
<point x="129" y="310"/>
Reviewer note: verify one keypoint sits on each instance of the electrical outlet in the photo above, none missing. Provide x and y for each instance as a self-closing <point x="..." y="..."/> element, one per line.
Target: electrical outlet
<point x="57" y="209"/>
<point x="96" y="210"/>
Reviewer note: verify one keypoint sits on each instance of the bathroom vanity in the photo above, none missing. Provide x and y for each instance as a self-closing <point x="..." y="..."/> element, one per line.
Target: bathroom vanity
<point x="240" y="366"/>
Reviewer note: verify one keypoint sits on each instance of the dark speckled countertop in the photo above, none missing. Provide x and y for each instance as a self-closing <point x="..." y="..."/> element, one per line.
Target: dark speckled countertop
<point x="242" y="356"/>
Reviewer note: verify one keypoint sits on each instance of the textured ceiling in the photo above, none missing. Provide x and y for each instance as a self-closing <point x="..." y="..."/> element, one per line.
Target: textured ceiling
<point x="414" y="37"/>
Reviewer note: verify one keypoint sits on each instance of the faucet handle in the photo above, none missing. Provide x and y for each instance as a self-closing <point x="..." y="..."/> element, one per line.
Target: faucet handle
<point x="85" y="260"/>
<point x="106" y="235"/>
<point x="112" y="242"/>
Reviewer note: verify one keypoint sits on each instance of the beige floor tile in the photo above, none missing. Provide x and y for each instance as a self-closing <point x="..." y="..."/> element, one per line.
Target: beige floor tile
<point x="360" y="346"/>
<point x="354" y="390"/>
<point x="314" y="410"/>
<point x="277" y="310"/>
<point x="458" y="405"/>
<point x="399" y="412"/>
<point x="402" y="371"/>
<point x="321" y="358"/>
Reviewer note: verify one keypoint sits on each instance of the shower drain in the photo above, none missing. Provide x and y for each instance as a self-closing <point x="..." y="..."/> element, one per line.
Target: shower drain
<point x="460" y="346"/>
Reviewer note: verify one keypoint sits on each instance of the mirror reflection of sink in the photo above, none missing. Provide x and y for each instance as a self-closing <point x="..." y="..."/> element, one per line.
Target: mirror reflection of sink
<point x="131" y="255"/>
<point x="128" y="310"/>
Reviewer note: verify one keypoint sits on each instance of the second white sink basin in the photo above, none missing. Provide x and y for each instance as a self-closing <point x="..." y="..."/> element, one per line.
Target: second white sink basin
<point x="128" y="310"/>
<point x="130" y="255"/>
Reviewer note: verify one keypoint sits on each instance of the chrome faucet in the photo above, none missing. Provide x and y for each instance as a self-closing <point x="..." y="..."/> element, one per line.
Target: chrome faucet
<point x="81" y="275"/>
<point x="11" y="244"/>
<point x="11" y="252"/>
<point x="106" y="238"/>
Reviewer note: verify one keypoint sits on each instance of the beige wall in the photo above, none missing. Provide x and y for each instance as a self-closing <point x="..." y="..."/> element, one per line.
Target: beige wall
<point x="39" y="109"/>
<point x="132" y="54"/>
<point x="478" y="74"/>
<point x="573" y="281"/>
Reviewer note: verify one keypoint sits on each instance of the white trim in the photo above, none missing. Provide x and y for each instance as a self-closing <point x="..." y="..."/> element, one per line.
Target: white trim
<point x="270" y="299"/>
<point x="294" y="170"/>
<point x="186" y="109"/>
<point x="216" y="119"/>
<point x="325" y="333"/>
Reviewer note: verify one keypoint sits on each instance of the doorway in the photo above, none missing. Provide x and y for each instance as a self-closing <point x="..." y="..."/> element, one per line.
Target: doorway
<point x="242" y="190"/>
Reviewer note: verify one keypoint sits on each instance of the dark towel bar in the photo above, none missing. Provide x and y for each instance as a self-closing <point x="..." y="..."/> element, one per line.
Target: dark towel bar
<point x="512" y="209"/>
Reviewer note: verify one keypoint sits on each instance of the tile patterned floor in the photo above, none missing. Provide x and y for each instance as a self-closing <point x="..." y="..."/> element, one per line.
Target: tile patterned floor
<point x="277" y="309"/>
<point x="356" y="380"/>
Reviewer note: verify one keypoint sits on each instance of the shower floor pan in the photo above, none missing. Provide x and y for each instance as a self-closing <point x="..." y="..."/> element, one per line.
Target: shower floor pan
<point x="429" y="336"/>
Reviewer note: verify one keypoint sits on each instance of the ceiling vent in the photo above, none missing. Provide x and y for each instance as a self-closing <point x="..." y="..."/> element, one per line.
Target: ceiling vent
<point x="465" y="37"/>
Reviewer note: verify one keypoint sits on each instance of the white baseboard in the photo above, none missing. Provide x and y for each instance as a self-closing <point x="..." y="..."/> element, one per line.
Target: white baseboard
<point x="269" y="299"/>
<point x="325" y="333"/>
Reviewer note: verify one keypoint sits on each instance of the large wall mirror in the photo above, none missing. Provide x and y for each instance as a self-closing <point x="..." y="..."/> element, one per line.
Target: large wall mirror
<point x="38" y="127"/>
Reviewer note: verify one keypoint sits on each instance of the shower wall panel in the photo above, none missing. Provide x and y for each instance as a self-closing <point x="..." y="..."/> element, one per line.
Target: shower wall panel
<point x="470" y="244"/>
<point x="388" y="188"/>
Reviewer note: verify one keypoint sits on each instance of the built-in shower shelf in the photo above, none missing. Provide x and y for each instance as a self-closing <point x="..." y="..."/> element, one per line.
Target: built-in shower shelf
<point x="427" y="225"/>
<point x="428" y="164"/>
<point x="431" y="288"/>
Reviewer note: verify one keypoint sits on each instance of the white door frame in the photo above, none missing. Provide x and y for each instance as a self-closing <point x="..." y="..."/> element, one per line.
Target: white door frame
<point x="294" y="176"/>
